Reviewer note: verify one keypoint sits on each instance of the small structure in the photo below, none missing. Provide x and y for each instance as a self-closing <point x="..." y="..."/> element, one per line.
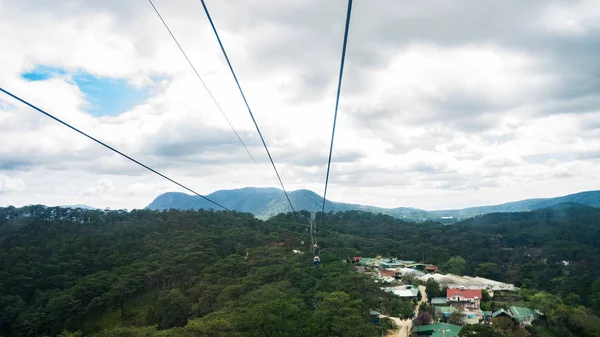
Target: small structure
<point x="431" y="269"/>
<point x="464" y="298"/>
<point x="387" y="272"/>
<point x="388" y="277"/>
<point x="524" y="316"/>
<point x="439" y="301"/>
<point x="417" y="266"/>
<point x="391" y="264"/>
<point x="374" y="316"/>
<point x="437" y="330"/>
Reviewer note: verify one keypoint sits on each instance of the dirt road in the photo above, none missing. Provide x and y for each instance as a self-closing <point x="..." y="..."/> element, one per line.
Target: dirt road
<point x="423" y="299"/>
<point x="405" y="325"/>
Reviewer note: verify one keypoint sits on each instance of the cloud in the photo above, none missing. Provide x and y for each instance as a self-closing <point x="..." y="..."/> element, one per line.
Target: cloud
<point x="8" y="184"/>
<point x="443" y="105"/>
<point x="102" y="187"/>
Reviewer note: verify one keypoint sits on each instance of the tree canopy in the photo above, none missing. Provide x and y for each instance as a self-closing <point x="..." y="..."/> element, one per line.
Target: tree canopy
<point x="145" y="273"/>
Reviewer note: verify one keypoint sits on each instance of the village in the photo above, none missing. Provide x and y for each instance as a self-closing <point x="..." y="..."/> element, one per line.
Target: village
<point x="461" y="303"/>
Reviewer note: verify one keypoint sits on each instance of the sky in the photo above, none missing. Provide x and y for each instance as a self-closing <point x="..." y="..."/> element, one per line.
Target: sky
<point x="444" y="104"/>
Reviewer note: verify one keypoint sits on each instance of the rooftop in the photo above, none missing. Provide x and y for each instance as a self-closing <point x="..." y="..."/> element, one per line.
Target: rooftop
<point x="501" y="311"/>
<point x="439" y="300"/>
<point x="522" y="314"/>
<point x="387" y="272"/>
<point x="450" y="330"/>
<point x="466" y="293"/>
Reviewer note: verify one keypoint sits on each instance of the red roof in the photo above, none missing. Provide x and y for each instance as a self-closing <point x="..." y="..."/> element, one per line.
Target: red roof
<point x="466" y="293"/>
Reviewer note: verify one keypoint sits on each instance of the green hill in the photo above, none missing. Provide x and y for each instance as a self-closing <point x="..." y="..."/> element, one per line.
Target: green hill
<point x="267" y="202"/>
<point x="201" y="273"/>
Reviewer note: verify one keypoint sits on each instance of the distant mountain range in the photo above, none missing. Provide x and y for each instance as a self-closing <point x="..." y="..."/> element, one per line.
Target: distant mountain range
<point x="266" y="202"/>
<point x="79" y="206"/>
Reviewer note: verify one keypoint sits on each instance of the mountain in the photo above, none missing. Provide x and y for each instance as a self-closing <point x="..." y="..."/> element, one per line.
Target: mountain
<point x="565" y="211"/>
<point x="79" y="206"/>
<point x="589" y="198"/>
<point x="266" y="202"/>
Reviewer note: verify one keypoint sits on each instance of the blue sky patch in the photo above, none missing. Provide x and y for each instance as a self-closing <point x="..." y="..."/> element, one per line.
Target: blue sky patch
<point x="106" y="96"/>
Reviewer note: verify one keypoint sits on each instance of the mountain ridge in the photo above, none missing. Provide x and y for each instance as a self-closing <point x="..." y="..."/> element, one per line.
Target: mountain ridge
<point x="265" y="202"/>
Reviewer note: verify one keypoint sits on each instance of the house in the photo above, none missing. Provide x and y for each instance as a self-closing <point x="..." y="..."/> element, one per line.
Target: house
<point x="356" y="259"/>
<point x="464" y="298"/>
<point x="436" y="330"/>
<point x="387" y="276"/>
<point x="522" y="315"/>
<point x="502" y="313"/>
<point x="431" y="269"/>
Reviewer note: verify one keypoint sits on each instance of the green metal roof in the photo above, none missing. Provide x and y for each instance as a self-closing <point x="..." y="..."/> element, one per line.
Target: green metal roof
<point x="439" y="300"/>
<point x="451" y="329"/>
<point x="445" y="309"/>
<point x="521" y="313"/>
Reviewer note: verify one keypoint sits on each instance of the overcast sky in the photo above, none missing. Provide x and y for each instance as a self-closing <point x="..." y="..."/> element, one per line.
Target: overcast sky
<point x="444" y="104"/>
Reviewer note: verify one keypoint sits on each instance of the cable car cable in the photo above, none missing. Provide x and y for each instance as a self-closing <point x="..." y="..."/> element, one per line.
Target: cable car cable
<point x="111" y="148"/>
<point x="246" y="102"/>
<point x="337" y="102"/>
<point x="207" y="90"/>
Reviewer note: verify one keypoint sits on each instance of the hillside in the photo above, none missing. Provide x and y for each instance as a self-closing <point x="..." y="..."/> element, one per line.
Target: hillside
<point x="184" y="273"/>
<point x="138" y="273"/>
<point x="266" y="202"/>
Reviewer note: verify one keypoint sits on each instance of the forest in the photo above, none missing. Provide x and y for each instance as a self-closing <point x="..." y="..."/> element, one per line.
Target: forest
<point x="74" y="272"/>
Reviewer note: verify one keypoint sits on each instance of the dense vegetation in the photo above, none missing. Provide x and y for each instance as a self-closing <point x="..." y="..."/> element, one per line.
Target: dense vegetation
<point x="204" y="273"/>
<point x="115" y="273"/>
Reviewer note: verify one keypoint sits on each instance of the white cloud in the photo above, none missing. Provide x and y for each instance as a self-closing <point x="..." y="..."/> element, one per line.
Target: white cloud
<point x="8" y="184"/>
<point x="461" y="112"/>
<point x="101" y="188"/>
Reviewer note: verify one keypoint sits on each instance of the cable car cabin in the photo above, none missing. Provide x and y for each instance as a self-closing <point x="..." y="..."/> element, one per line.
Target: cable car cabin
<point x="301" y="243"/>
<point x="317" y="261"/>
